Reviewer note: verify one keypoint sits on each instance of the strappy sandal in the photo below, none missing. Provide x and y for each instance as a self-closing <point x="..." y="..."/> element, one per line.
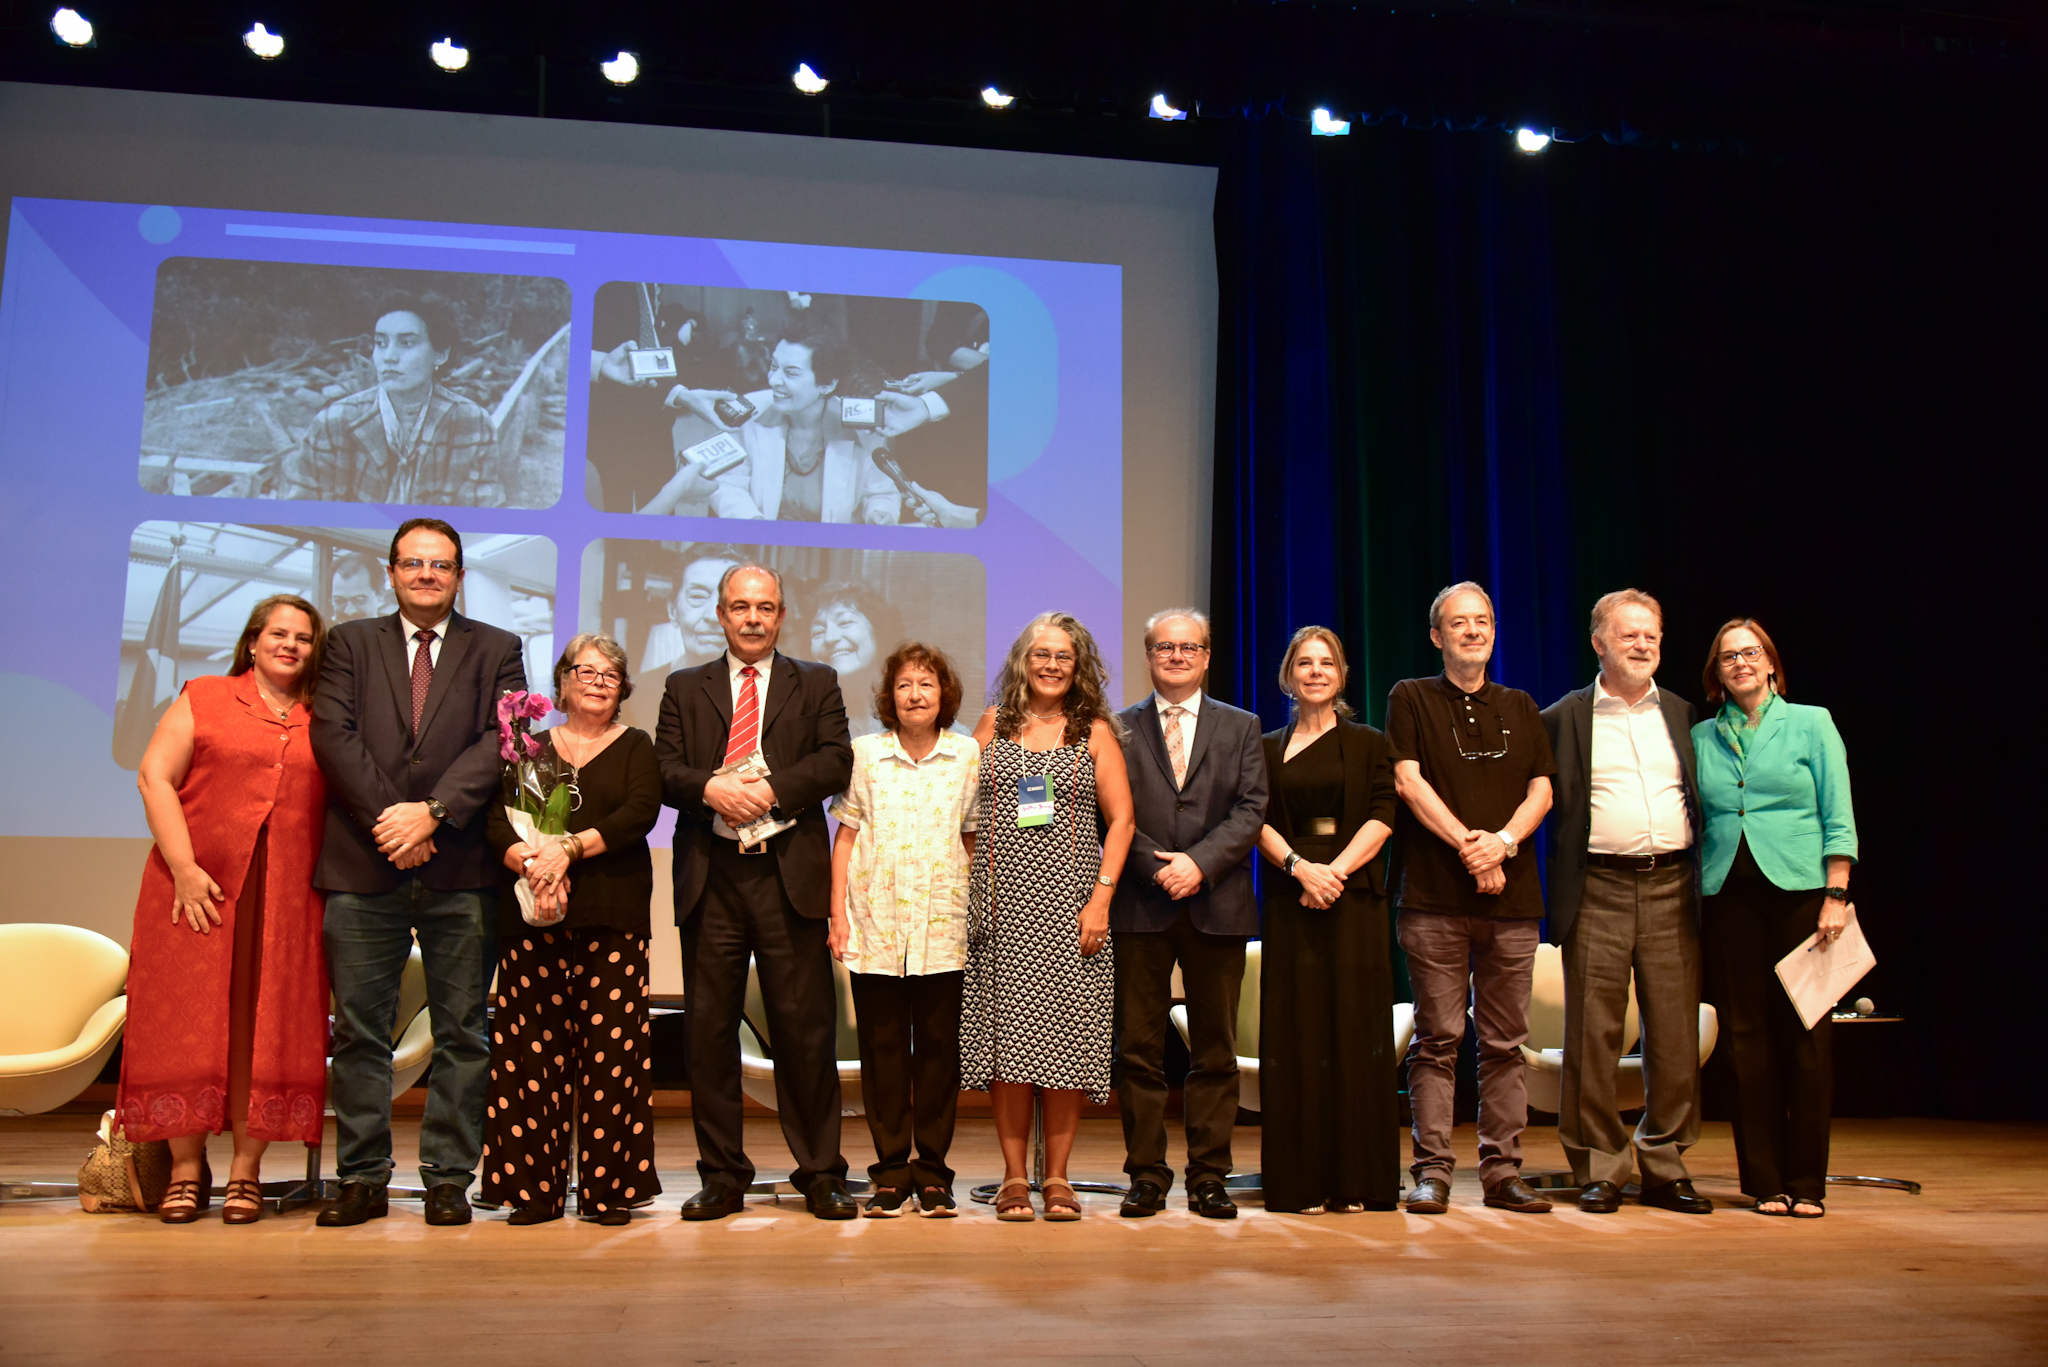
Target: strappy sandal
<point x="1819" y="1208"/>
<point x="1061" y="1201"/>
<point x="1013" y="1201"/>
<point x="182" y="1201"/>
<point x="1779" y="1200"/>
<point x="242" y="1202"/>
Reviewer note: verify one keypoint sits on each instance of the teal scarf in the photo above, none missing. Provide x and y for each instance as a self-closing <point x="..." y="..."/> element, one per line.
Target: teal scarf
<point x="1729" y="725"/>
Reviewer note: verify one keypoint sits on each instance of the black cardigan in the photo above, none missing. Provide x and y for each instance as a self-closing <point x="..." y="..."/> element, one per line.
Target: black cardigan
<point x="1368" y="789"/>
<point x="621" y="790"/>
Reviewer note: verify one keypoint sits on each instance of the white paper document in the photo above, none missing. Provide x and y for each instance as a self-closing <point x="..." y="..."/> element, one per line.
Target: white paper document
<point x="1817" y="975"/>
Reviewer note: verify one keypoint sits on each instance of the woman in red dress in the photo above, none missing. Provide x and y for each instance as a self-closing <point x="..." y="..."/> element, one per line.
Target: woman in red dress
<point x="227" y="979"/>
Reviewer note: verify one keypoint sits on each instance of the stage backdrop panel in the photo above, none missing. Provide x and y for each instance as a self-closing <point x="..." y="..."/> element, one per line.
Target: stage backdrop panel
<point x="198" y="302"/>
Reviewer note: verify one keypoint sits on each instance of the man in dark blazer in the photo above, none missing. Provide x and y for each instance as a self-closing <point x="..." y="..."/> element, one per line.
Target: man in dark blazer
<point x="769" y="897"/>
<point x="405" y="728"/>
<point x="1624" y="895"/>
<point x="1198" y="786"/>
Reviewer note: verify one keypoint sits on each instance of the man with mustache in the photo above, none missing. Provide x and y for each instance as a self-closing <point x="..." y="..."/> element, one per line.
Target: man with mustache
<point x="1623" y="895"/>
<point x="1472" y="768"/>
<point x="770" y="898"/>
<point x="406" y="439"/>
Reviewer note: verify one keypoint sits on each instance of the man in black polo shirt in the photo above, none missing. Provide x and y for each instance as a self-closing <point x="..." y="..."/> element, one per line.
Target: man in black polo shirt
<point x="1472" y="767"/>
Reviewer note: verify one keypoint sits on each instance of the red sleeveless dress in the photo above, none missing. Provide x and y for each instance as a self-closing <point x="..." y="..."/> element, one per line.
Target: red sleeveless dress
<point x="251" y="775"/>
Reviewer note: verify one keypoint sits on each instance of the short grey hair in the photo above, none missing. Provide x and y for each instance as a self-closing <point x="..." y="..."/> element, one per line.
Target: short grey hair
<point x="1444" y="595"/>
<point x="614" y="654"/>
<point x="752" y="567"/>
<point x="1195" y="615"/>
<point x="1604" y="606"/>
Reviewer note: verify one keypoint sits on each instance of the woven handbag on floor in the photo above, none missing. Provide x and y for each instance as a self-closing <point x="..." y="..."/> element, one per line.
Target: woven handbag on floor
<point x="121" y="1176"/>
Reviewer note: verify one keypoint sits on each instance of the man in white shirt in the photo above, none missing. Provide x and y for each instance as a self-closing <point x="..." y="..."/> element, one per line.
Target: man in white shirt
<point x="1623" y="895"/>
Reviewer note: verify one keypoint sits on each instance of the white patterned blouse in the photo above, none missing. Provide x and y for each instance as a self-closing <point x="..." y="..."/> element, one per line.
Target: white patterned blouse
<point x="906" y="888"/>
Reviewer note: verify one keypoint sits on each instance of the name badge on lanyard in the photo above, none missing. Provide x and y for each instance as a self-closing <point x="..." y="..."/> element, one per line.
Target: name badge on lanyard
<point x="1034" y="800"/>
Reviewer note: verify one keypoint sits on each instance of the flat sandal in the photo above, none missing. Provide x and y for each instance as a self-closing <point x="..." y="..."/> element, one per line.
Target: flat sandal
<point x="1015" y="1207"/>
<point x="1061" y="1201"/>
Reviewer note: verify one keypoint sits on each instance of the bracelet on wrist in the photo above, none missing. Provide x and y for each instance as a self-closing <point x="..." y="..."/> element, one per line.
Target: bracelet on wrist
<point x="1836" y="894"/>
<point x="1287" y="864"/>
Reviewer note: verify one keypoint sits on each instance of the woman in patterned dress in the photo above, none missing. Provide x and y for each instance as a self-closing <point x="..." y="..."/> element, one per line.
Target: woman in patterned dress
<point x="1040" y="984"/>
<point x="899" y="921"/>
<point x="572" y="1066"/>
<point x="228" y="1030"/>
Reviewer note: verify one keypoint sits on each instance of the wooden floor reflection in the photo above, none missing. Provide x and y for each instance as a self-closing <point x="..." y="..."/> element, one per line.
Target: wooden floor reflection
<point x="1957" y="1274"/>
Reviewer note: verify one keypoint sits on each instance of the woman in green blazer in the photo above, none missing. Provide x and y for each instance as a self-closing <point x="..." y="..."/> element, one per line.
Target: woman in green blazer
<point x="1780" y="839"/>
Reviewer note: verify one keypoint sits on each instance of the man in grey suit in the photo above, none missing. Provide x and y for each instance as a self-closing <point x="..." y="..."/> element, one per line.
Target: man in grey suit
<point x="1198" y="784"/>
<point x="405" y="729"/>
<point x="1623" y="894"/>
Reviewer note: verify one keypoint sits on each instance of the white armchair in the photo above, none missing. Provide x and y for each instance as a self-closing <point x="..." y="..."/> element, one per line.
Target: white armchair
<point x="1543" y="1053"/>
<point x="61" y="1013"/>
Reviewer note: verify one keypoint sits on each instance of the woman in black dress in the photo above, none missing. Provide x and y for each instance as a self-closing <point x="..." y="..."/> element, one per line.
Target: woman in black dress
<point x="1326" y="1039"/>
<point x="569" y="1027"/>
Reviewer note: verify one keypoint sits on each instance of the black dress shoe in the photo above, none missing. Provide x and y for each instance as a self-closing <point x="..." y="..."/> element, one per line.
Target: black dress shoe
<point x="615" y="1215"/>
<point x="447" y="1204"/>
<point x="829" y="1199"/>
<point x="359" y="1202"/>
<point x="1678" y="1196"/>
<point x="1145" y="1197"/>
<point x="714" y="1202"/>
<point x="1515" y="1194"/>
<point x="1431" y="1196"/>
<point x="1599" y="1198"/>
<point x="1210" y="1201"/>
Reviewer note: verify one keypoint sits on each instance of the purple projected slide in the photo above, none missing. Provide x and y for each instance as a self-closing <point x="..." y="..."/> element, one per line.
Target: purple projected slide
<point x="255" y="400"/>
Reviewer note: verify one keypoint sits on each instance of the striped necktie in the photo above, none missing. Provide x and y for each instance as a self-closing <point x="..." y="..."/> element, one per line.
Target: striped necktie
<point x="746" y="718"/>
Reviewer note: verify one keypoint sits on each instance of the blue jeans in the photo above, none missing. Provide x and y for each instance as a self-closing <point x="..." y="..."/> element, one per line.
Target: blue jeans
<point x="369" y="938"/>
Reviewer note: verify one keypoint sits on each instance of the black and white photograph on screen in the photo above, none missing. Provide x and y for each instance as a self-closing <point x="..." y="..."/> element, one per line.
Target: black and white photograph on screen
<point x="191" y="586"/>
<point x="356" y="384"/>
<point x="847" y="608"/>
<point x="788" y="406"/>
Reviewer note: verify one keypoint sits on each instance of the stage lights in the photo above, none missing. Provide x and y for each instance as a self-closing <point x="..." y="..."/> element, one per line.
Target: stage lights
<point x="1530" y="141"/>
<point x="1162" y="110"/>
<point x="263" y="42"/>
<point x="72" y="28"/>
<point x="1323" y="126"/>
<point x="809" y="81"/>
<point x="996" y="99"/>
<point x="623" y="69"/>
<point x="448" y="56"/>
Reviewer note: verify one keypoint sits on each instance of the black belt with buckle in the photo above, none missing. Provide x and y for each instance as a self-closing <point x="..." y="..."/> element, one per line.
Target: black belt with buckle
<point x="1639" y="863"/>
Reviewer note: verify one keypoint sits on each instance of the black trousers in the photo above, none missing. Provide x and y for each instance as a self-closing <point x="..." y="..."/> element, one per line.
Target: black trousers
<point x="570" y="1038"/>
<point x="744" y="910"/>
<point x="1784" y="1073"/>
<point x="1212" y="975"/>
<point x="909" y="1032"/>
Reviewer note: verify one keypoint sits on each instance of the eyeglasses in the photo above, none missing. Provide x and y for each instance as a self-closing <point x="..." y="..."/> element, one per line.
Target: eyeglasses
<point x="1185" y="650"/>
<point x="413" y="565"/>
<point x="1749" y="653"/>
<point x="590" y="674"/>
<point x="1043" y="656"/>
<point x="1459" y="740"/>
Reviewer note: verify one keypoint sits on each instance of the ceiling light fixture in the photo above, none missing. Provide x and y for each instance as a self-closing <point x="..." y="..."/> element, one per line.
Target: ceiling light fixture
<point x="1162" y="110"/>
<point x="996" y="99"/>
<point x="623" y="69"/>
<point x="809" y="81"/>
<point x="448" y="56"/>
<point x="263" y="42"/>
<point x="71" y="28"/>
<point x="1323" y="126"/>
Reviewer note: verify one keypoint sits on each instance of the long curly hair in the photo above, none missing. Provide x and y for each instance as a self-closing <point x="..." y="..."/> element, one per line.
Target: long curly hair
<point x="1087" y="699"/>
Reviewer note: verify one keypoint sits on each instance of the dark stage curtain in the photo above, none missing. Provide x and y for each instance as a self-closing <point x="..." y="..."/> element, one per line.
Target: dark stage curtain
<point x="1799" y="384"/>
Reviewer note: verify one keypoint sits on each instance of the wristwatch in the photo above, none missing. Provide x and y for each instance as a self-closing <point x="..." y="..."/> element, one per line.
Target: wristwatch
<point x="1836" y="894"/>
<point x="1106" y="882"/>
<point x="437" y="809"/>
<point x="1507" y="838"/>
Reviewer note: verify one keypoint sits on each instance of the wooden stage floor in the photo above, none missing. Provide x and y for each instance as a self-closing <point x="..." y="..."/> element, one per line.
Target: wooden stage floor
<point x="1957" y="1274"/>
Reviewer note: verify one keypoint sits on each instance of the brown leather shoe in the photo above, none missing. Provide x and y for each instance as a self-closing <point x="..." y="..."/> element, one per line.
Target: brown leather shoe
<point x="1515" y="1194"/>
<point x="1432" y="1196"/>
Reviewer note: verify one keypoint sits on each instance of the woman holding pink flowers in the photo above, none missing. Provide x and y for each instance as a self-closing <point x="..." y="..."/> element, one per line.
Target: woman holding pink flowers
<point x="569" y="1029"/>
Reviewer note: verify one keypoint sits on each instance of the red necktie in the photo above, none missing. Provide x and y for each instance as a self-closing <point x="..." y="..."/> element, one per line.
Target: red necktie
<point x="746" y="718"/>
<point x="422" y="676"/>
